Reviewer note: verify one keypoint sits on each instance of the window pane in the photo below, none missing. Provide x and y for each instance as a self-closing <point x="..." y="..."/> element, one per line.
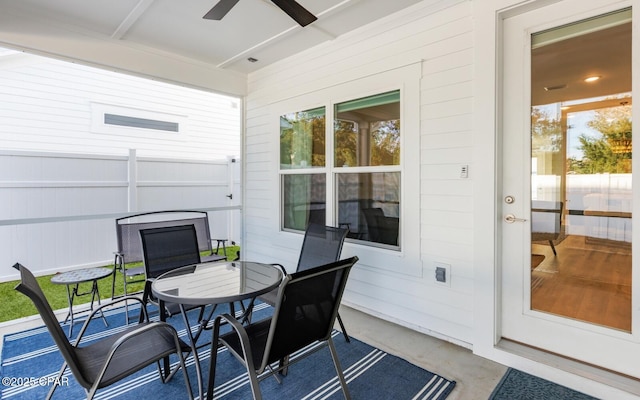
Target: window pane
<point x="369" y="204"/>
<point x="367" y="131"/>
<point x="302" y="139"/>
<point x="303" y="200"/>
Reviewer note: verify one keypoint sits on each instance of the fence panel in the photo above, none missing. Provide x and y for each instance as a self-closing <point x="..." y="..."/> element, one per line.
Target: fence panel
<point x="57" y="210"/>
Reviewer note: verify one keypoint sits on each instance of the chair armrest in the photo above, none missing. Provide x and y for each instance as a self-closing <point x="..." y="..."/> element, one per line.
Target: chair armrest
<point x="242" y="334"/>
<point x="134" y="333"/>
<point x="143" y="309"/>
<point x="284" y="270"/>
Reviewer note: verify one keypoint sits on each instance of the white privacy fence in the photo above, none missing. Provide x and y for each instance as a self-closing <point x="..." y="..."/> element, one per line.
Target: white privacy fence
<point x="57" y="211"/>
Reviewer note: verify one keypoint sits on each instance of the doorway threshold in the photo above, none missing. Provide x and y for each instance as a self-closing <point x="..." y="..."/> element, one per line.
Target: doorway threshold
<point x="607" y="377"/>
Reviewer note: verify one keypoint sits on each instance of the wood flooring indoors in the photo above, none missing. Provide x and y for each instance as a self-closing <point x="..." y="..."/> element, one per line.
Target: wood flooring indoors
<point x="587" y="280"/>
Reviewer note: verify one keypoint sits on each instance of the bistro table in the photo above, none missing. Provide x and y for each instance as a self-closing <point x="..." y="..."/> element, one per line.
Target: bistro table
<point x="75" y="278"/>
<point x="214" y="283"/>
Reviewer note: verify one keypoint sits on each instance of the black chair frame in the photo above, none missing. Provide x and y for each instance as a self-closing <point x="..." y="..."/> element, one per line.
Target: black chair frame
<point x="305" y="312"/>
<point x="109" y="360"/>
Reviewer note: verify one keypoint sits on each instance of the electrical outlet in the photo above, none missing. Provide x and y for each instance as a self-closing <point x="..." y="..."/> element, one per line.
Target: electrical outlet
<point x="442" y="274"/>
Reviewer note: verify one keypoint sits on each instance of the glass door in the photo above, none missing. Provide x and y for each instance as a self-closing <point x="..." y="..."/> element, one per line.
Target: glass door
<point x="567" y="153"/>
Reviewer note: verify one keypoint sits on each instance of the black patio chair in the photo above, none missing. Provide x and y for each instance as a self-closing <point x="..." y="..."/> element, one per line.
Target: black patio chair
<point x="102" y="363"/>
<point x="166" y="249"/>
<point x="321" y="245"/>
<point x="305" y="312"/>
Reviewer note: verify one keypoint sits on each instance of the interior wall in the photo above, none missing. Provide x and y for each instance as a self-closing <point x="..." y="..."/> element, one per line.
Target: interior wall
<point x="439" y="38"/>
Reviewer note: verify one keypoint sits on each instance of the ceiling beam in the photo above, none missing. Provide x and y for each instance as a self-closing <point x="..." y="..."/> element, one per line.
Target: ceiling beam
<point x="131" y="19"/>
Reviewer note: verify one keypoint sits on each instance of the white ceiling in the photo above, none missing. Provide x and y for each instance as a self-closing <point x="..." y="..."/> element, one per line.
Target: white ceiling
<point x="562" y="66"/>
<point x="253" y="28"/>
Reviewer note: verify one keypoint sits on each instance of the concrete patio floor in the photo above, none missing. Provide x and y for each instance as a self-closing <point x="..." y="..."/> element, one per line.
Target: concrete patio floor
<point x="475" y="376"/>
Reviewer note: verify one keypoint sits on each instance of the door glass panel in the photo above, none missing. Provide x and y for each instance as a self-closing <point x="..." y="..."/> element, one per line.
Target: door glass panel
<point x="581" y="178"/>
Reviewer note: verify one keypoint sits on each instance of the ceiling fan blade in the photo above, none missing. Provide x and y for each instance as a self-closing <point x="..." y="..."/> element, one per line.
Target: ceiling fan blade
<point x="295" y="11"/>
<point x="220" y="10"/>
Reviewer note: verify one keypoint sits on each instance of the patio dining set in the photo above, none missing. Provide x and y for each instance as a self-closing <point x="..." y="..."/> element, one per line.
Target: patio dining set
<point x="179" y="281"/>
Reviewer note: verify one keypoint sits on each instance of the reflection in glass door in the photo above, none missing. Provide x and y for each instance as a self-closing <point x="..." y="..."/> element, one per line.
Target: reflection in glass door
<point x="581" y="152"/>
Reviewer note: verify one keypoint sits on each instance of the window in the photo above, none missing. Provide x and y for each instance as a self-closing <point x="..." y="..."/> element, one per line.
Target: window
<point x="363" y="171"/>
<point x="144" y="123"/>
<point x="137" y="122"/>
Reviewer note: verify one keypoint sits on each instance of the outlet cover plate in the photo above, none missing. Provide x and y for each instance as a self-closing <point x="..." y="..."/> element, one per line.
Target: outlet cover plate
<point x="442" y="274"/>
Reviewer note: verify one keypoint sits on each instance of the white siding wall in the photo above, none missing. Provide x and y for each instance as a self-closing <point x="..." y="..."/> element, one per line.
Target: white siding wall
<point x="438" y="35"/>
<point x="47" y="105"/>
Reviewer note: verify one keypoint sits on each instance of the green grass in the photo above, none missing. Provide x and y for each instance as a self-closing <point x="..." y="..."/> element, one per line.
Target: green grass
<point x="15" y="305"/>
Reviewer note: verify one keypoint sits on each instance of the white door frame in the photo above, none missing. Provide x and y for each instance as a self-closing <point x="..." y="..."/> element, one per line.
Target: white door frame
<point x="488" y="17"/>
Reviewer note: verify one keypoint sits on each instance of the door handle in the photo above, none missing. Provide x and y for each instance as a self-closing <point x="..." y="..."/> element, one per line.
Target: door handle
<point x="510" y="219"/>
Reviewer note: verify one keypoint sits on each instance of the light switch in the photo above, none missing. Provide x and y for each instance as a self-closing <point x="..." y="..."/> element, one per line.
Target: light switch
<point x="464" y="171"/>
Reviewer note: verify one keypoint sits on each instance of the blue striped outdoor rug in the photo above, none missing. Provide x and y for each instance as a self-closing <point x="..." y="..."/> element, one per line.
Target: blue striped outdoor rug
<point x="371" y="374"/>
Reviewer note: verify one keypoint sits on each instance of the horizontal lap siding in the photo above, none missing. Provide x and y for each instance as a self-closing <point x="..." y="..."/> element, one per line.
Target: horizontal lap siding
<point x="439" y="36"/>
<point x="47" y="106"/>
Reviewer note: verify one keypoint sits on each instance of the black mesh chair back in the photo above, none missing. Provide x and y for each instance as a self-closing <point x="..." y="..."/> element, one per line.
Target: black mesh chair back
<point x="165" y="249"/>
<point x="168" y="248"/>
<point x="321" y="245"/>
<point x="307" y="307"/>
<point x="106" y="361"/>
<point x="305" y="312"/>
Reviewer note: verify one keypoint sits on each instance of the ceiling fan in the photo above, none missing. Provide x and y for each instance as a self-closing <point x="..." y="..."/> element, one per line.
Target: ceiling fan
<point x="300" y="14"/>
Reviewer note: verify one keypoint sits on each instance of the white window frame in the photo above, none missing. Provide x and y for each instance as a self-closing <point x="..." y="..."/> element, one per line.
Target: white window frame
<point x="407" y="258"/>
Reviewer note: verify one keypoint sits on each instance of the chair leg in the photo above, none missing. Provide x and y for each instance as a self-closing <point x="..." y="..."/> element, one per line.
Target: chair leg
<point x="183" y="365"/>
<point x="145" y="300"/>
<point x="246" y="355"/>
<point x="58" y="379"/>
<point x="553" y="248"/>
<point x="336" y="363"/>
<point x="344" y="330"/>
<point x="113" y="281"/>
<point x="213" y="359"/>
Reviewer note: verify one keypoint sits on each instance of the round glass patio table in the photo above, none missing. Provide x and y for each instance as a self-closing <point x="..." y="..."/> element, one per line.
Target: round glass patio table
<point x="214" y="283"/>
